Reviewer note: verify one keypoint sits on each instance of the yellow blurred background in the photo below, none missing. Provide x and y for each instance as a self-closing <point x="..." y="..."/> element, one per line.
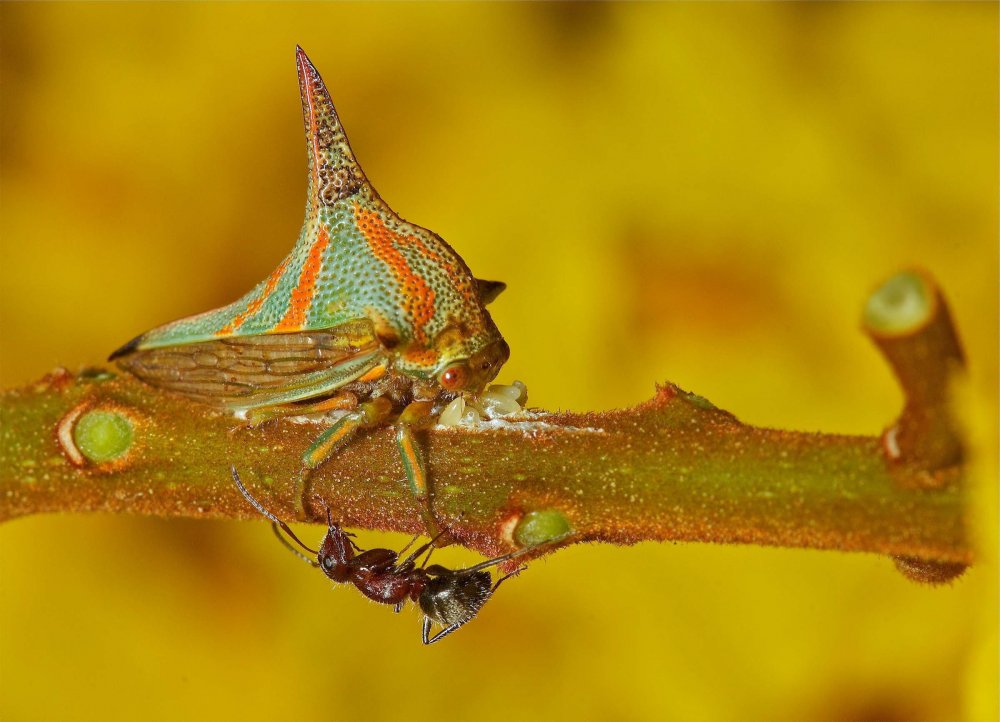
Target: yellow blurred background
<point x="695" y="193"/>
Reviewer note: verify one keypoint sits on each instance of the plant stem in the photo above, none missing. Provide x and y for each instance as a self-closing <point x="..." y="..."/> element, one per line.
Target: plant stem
<point x="673" y="468"/>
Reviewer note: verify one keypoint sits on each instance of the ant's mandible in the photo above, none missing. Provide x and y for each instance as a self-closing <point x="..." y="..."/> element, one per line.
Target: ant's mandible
<point x="448" y="597"/>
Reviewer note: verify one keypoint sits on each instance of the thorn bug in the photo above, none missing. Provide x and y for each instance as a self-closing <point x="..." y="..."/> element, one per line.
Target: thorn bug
<point x="369" y="315"/>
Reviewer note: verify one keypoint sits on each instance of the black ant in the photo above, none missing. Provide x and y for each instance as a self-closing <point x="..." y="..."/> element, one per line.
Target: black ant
<point x="448" y="597"/>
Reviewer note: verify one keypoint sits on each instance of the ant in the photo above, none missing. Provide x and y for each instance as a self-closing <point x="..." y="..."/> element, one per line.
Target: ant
<point x="448" y="597"/>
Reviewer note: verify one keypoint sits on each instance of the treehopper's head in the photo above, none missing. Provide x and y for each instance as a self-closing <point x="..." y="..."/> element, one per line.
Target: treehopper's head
<point x="473" y="372"/>
<point x="471" y="353"/>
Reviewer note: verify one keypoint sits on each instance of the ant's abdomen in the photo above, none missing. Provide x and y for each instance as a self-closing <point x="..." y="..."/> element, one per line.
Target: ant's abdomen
<point x="456" y="598"/>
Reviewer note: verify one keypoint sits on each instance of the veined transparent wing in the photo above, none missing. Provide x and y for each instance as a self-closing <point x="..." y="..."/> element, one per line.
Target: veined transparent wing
<point x="244" y="372"/>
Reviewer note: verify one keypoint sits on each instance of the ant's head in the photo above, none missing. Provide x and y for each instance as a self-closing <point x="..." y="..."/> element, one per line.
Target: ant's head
<point x="335" y="553"/>
<point x="457" y="597"/>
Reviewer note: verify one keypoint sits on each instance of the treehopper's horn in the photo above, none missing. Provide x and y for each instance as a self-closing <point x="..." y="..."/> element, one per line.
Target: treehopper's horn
<point x="334" y="174"/>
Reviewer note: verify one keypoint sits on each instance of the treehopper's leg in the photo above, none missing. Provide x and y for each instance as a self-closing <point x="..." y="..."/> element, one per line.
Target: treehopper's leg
<point x="370" y="413"/>
<point x="342" y="401"/>
<point x="416" y="415"/>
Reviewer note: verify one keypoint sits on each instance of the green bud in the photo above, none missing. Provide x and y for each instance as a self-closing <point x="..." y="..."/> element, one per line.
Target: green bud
<point x="900" y="305"/>
<point x="102" y="435"/>
<point x="537" y="527"/>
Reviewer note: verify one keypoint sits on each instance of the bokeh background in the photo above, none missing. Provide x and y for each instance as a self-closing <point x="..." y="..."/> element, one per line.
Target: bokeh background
<point x="696" y="193"/>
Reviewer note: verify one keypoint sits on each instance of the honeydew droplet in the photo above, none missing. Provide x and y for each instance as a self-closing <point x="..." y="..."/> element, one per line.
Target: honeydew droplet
<point x="102" y="436"/>
<point x="509" y="392"/>
<point x="522" y="397"/>
<point x="517" y="391"/>
<point x="496" y="403"/>
<point x="452" y="413"/>
<point x="537" y="527"/>
<point x="471" y="417"/>
<point x="902" y="304"/>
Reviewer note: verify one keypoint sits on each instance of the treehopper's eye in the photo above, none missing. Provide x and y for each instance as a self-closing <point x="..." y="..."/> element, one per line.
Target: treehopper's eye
<point x="453" y="378"/>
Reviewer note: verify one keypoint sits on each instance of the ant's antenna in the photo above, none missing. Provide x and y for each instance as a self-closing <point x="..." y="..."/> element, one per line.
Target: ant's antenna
<point x="288" y="545"/>
<point x="268" y="515"/>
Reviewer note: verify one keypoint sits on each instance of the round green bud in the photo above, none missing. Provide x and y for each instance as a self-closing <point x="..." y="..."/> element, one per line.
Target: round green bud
<point x="537" y="527"/>
<point x="900" y="305"/>
<point x="102" y="435"/>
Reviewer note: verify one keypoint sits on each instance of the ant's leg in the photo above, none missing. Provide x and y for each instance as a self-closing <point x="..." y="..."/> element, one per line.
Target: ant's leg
<point x="370" y="413"/>
<point x="440" y="635"/>
<point x="430" y="551"/>
<point x="507" y="576"/>
<point x="408" y="544"/>
<point x="518" y="553"/>
<point x="417" y="414"/>
<point x="428" y="547"/>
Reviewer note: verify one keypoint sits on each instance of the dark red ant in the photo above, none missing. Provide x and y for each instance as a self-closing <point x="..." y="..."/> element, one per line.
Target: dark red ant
<point x="448" y="597"/>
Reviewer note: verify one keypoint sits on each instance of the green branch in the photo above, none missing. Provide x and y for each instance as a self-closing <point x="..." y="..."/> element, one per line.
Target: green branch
<point x="673" y="468"/>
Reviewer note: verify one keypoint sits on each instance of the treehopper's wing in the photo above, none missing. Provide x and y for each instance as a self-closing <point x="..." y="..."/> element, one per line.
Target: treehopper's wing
<point x="245" y="372"/>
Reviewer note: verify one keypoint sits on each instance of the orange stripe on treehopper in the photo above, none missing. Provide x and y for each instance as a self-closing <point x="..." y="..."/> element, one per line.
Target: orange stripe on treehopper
<point x="254" y="305"/>
<point x="417" y="296"/>
<point x="302" y="295"/>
